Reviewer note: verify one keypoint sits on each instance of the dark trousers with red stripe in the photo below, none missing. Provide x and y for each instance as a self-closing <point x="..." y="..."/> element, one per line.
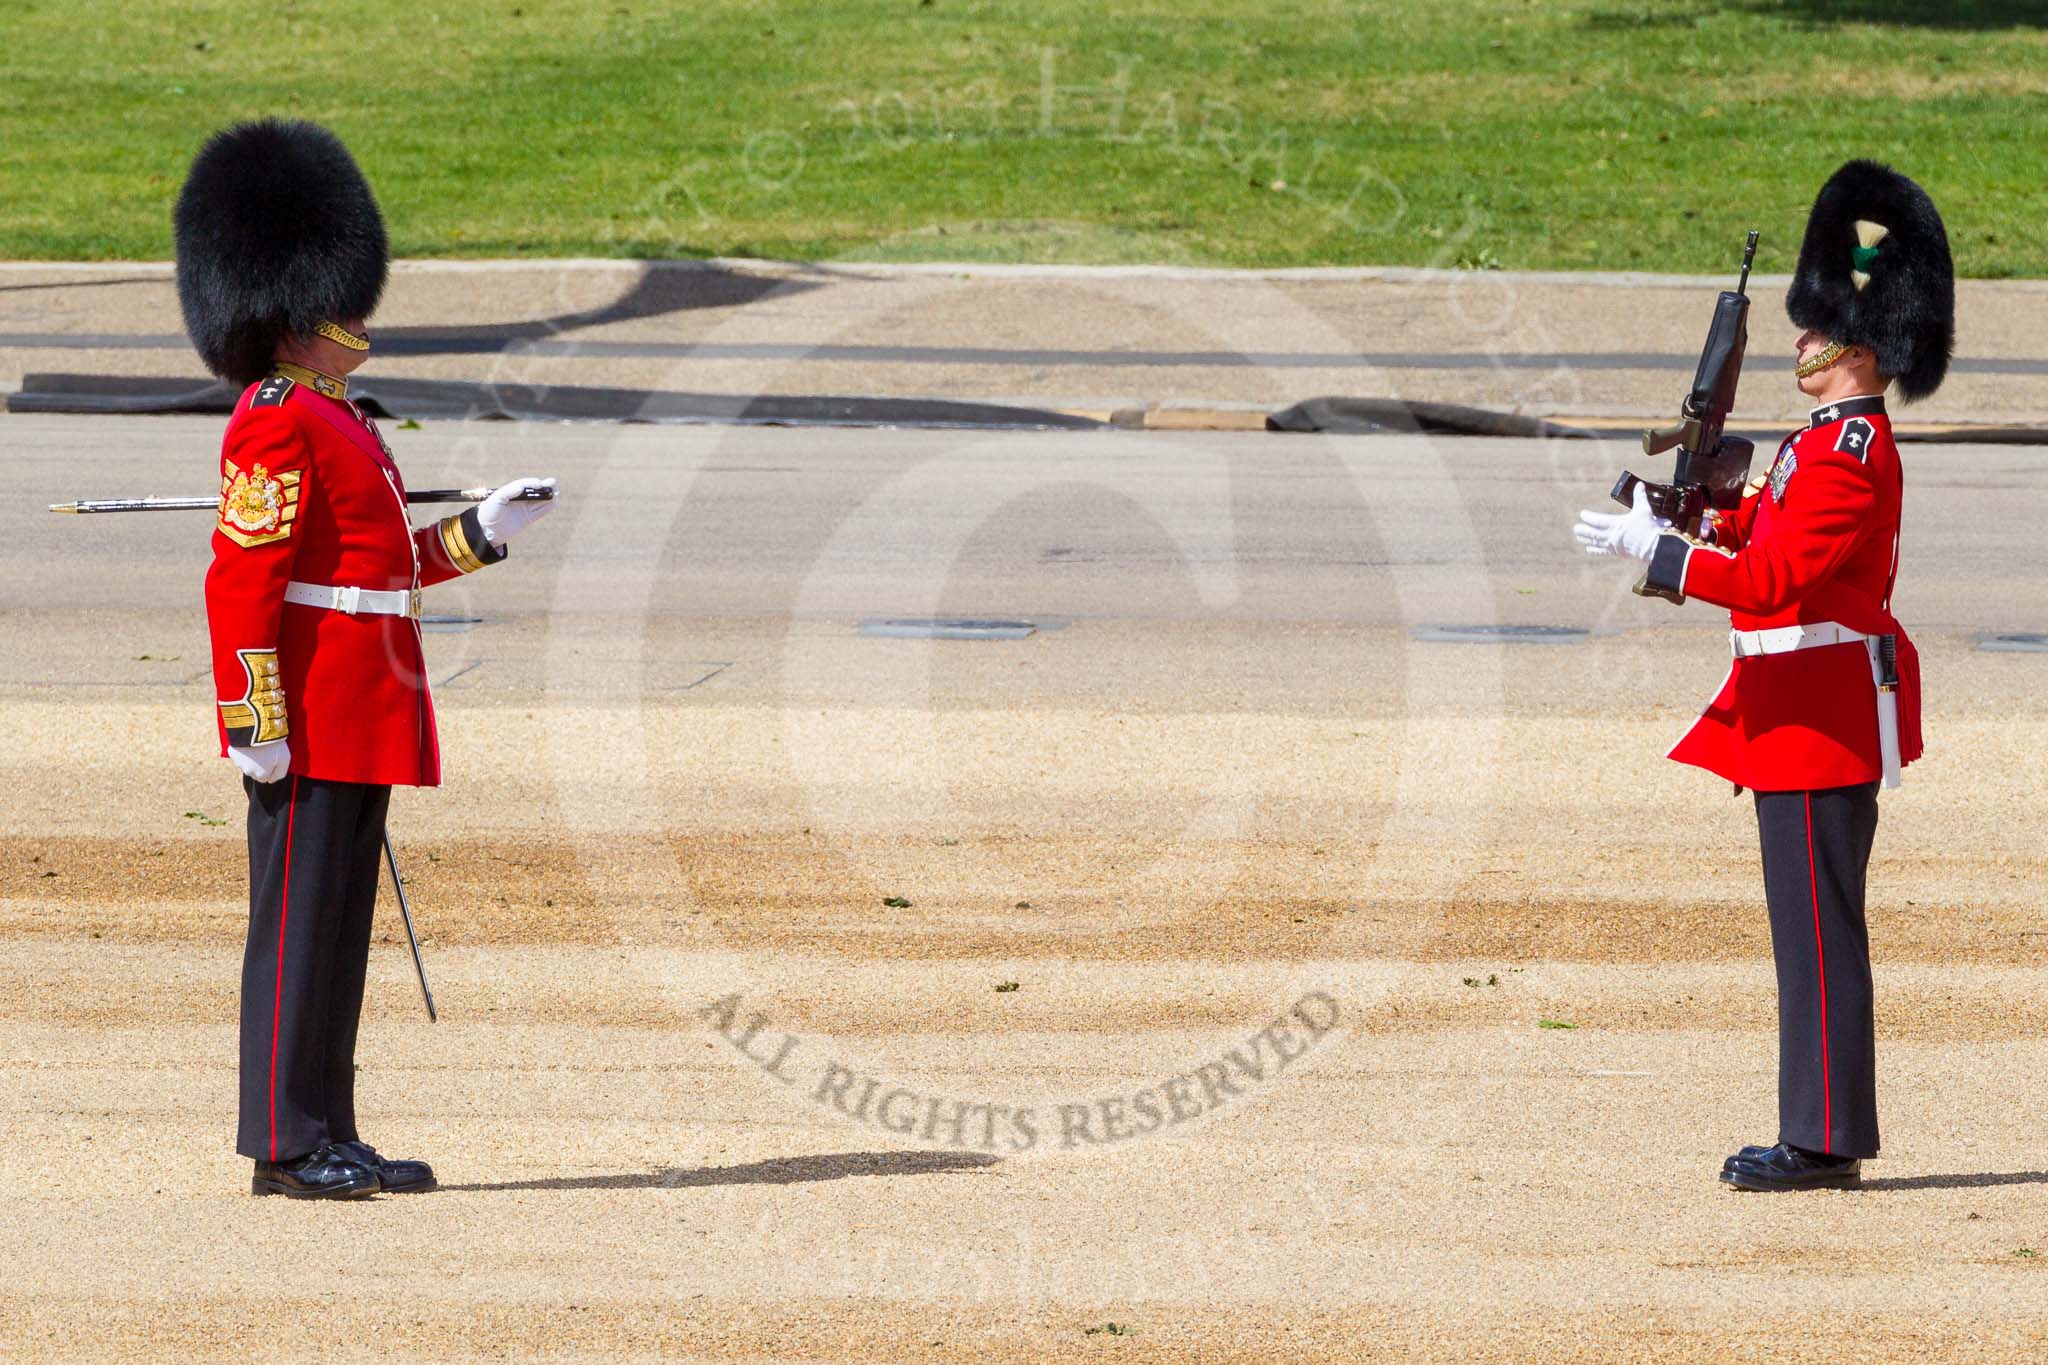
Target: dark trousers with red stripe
<point x="1816" y="851"/>
<point x="313" y="865"/>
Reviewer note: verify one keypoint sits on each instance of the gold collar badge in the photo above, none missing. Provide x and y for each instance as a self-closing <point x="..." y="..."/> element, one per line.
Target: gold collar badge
<point x="324" y="384"/>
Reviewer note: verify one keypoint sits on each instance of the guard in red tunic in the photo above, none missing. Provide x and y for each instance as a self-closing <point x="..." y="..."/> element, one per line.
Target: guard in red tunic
<point x="313" y="605"/>
<point x="1822" y="703"/>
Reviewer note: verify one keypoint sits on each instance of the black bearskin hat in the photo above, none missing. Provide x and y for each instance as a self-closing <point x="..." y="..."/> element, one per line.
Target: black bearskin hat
<point x="1874" y="271"/>
<point x="276" y="232"/>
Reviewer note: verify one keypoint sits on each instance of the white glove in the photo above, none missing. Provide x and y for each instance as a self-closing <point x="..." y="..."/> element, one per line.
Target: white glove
<point x="266" y="762"/>
<point x="1633" y="533"/>
<point x="502" y="516"/>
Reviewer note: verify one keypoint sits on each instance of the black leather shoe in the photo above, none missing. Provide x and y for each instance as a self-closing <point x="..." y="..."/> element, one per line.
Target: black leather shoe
<point x="397" y="1177"/>
<point x="328" y="1173"/>
<point x="1750" y="1153"/>
<point x="1785" y="1167"/>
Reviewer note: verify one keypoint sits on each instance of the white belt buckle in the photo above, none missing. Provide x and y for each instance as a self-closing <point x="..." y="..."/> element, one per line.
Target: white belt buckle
<point x="348" y="601"/>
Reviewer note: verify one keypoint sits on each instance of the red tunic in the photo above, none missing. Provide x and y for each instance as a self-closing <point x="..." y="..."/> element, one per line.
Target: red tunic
<point x="309" y="492"/>
<point x="1816" y="540"/>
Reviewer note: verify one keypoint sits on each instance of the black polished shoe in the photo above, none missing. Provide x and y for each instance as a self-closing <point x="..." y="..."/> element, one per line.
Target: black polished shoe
<point x="1750" y="1153"/>
<point x="328" y="1173"/>
<point x="397" y="1177"/>
<point x="1785" y="1167"/>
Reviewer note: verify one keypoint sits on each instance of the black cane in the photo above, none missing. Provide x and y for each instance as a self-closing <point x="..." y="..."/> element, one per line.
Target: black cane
<point x="405" y="913"/>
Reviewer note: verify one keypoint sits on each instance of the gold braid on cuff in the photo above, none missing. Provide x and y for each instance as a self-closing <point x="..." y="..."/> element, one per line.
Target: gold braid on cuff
<point x="335" y="332"/>
<point x="456" y="542"/>
<point x="260" y="710"/>
<point x="1824" y="357"/>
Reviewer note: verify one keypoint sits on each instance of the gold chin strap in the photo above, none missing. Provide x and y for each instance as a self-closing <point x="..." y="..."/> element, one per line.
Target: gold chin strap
<point x="1824" y="357"/>
<point x="335" y="332"/>
<point x="319" y="383"/>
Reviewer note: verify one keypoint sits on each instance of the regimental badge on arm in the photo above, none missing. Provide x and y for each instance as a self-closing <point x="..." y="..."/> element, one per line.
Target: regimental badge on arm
<point x="1854" y="438"/>
<point x="258" y="507"/>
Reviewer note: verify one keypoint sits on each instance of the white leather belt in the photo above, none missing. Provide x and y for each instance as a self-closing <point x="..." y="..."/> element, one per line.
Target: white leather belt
<point x="1747" y="644"/>
<point x="355" y="601"/>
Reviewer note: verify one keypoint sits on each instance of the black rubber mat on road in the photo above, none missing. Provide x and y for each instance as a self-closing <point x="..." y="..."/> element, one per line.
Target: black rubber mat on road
<point x="446" y="400"/>
<point x="1394" y="416"/>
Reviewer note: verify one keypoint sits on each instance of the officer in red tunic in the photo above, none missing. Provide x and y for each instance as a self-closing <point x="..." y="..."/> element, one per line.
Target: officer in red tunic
<point x="1822" y="703"/>
<point x="313" y="606"/>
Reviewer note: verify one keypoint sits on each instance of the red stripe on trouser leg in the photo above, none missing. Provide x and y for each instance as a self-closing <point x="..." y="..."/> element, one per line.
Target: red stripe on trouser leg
<point x="1827" y="1100"/>
<point x="284" y="904"/>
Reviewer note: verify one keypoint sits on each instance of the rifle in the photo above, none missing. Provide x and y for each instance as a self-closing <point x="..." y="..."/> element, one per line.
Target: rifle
<point x="1711" y="467"/>
<point x="424" y="495"/>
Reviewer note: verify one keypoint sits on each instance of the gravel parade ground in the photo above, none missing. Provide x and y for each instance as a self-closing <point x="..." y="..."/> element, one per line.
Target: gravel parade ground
<point x="1061" y="783"/>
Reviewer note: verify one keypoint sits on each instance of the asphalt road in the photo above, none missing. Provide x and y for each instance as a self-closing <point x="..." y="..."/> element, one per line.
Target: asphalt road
<point x="1577" y="345"/>
<point x="1127" y="528"/>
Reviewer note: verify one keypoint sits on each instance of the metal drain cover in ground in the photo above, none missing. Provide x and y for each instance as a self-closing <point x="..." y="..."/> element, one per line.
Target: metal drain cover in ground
<point x="1500" y="635"/>
<point x="2019" y="643"/>
<point x="448" y="625"/>
<point x="945" y="628"/>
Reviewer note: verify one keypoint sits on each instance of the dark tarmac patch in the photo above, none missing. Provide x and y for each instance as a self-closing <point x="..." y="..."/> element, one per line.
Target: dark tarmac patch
<point x="945" y="628"/>
<point x="1500" y="635"/>
<point x="2022" y="642"/>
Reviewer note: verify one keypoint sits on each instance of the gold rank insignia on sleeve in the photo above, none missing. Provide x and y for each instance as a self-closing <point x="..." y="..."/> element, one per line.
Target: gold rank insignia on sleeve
<point x="258" y="507"/>
<point x="258" y="716"/>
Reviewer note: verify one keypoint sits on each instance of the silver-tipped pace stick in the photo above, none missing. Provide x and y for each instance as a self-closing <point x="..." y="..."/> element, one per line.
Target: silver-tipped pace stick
<point x="423" y="495"/>
<point x="405" y="913"/>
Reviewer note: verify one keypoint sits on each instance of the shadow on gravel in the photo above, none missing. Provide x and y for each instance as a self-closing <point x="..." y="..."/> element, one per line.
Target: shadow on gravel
<point x="792" y="1170"/>
<point x="1954" y="1182"/>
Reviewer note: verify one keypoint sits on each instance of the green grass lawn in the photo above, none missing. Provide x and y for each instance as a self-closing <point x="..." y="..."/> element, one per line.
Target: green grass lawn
<point x="1618" y="134"/>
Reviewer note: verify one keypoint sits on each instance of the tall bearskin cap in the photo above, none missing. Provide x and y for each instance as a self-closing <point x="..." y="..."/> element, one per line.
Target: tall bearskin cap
<point x="1874" y="271"/>
<point x="276" y="232"/>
